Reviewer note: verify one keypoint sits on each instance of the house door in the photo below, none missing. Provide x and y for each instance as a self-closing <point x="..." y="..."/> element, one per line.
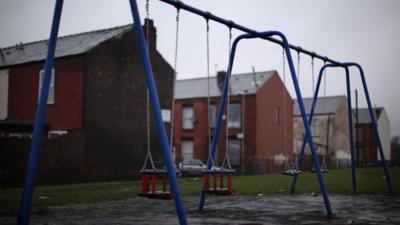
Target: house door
<point x="187" y="149"/>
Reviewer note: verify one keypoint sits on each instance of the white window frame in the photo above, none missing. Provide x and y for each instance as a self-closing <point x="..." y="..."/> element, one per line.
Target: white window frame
<point x="213" y="115"/>
<point x="231" y="143"/>
<point x="56" y="133"/>
<point x="315" y="129"/>
<point x="185" y="154"/>
<point x="235" y="124"/>
<point x="51" y="95"/>
<point x="187" y="120"/>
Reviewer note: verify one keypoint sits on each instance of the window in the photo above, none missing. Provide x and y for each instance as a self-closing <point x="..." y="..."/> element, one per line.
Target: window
<point x="56" y="133"/>
<point x="277" y="112"/>
<point x="166" y="115"/>
<point x="234" y="119"/>
<point x="315" y="129"/>
<point x="213" y="115"/>
<point x="187" y="117"/>
<point x="187" y="149"/>
<point x="234" y="151"/>
<point x="50" y="98"/>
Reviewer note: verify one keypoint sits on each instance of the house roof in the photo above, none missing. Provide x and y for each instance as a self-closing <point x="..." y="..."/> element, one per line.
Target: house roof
<point x="66" y="46"/>
<point x="364" y="117"/>
<point x="325" y="105"/>
<point x="239" y="83"/>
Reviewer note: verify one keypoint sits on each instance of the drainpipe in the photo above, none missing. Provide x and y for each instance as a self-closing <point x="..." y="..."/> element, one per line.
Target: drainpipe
<point x="242" y="163"/>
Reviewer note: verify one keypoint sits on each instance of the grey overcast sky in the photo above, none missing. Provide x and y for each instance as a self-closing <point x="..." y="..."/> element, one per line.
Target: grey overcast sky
<point x="363" y="31"/>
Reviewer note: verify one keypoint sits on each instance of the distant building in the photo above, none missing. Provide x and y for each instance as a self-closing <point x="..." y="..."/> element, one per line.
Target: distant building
<point x="330" y="130"/>
<point x="256" y="121"/>
<point x="96" y="111"/>
<point x="367" y="144"/>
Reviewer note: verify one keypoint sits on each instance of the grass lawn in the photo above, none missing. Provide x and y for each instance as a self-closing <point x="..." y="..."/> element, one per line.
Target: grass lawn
<point x="370" y="181"/>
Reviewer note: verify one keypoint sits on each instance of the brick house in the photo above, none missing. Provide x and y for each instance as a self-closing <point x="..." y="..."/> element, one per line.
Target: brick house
<point x="367" y="145"/>
<point x="330" y="131"/>
<point x="96" y="112"/>
<point x="256" y="120"/>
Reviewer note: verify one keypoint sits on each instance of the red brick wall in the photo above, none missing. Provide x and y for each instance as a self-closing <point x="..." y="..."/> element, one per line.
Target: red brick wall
<point x="263" y="138"/>
<point x="66" y="112"/>
<point x="367" y="145"/>
<point x="269" y="134"/>
<point x="199" y="134"/>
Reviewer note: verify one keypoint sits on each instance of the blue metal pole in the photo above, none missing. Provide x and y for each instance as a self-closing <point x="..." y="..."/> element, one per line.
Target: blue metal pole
<point x="220" y="114"/>
<point x="303" y="145"/>
<point x="306" y="126"/>
<point x="377" y="137"/>
<point x="26" y="200"/>
<point x="301" y="105"/>
<point x="155" y="103"/>
<point x="350" y="115"/>
<point x="181" y="5"/>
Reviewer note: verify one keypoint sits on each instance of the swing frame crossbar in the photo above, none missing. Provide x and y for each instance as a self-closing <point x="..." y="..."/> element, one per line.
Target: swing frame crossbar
<point x="28" y="190"/>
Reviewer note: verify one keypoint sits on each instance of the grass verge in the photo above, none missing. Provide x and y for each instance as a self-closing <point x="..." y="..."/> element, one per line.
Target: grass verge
<point x="370" y="181"/>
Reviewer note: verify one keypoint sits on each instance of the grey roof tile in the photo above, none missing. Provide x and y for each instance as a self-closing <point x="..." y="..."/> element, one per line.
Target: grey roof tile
<point x="66" y="46"/>
<point x="325" y="105"/>
<point x="364" y="117"/>
<point x="197" y="88"/>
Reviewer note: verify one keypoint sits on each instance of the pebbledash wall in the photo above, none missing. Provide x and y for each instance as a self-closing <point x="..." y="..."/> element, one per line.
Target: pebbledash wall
<point x="257" y="144"/>
<point x="330" y="131"/>
<point x="99" y="107"/>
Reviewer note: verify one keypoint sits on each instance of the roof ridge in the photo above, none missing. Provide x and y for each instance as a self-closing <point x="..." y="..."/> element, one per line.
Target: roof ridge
<point x="66" y="36"/>
<point x="329" y="96"/>
<point x="237" y="74"/>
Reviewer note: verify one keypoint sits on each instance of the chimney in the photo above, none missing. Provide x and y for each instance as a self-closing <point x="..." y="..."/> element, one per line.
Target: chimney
<point x="149" y="27"/>
<point x="220" y="79"/>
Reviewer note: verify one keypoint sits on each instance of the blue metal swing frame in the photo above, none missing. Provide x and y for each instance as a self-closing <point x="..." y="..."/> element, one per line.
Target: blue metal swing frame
<point x="346" y="67"/>
<point x="309" y="139"/>
<point x="27" y="193"/>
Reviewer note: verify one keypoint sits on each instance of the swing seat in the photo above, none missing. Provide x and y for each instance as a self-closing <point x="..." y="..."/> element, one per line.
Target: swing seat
<point x="323" y="170"/>
<point x="218" y="191"/>
<point x="291" y="172"/>
<point x="215" y="174"/>
<point x="161" y="195"/>
<point x="149" y="184"/>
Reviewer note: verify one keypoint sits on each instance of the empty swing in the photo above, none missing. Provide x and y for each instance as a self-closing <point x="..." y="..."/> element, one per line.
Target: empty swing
<point x="221" y="177"/>
<point x="289" y="170"/>
<point x="323" y="166"/>
<point x="152" y="178"/>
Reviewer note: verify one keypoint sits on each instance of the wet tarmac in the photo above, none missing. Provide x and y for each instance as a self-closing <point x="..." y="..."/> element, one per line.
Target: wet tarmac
<point x="234" y="210"/>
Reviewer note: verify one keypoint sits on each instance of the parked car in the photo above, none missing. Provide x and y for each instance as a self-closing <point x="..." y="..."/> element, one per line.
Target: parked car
<point x="191" y="167"/>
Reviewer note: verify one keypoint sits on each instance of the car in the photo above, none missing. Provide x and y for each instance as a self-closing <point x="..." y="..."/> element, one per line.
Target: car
<point x="191" y="167"/>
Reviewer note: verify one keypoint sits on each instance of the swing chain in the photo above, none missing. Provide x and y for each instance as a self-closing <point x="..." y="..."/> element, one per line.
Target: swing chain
<point x="148" y="123"/>
<point x="174" y="79"/>
<point x="210" y="157"/>
<point x="298" y="67"/>
<point x="312" y="73"/>
<point x="226" y="158"/>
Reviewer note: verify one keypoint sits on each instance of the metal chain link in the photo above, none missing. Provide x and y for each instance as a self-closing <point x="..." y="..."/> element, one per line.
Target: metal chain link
<point x="312" y="73"/>
<point x="284" y="107"/>
<point x="226" y="158"/>
<point x="175" y="76"/>
<point x="148" y="118"/>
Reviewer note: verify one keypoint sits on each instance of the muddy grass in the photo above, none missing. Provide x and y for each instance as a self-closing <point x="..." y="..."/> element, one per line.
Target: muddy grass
<point x="300" y="209"/>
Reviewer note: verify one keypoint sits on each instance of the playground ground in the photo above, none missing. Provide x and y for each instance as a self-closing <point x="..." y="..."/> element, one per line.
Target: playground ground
<point x="258" y="199"/>
<point x="235" y="210"/>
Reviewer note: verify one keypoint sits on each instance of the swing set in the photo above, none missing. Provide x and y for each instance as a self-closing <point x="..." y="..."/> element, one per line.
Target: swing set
<point x="170" y="172"/>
